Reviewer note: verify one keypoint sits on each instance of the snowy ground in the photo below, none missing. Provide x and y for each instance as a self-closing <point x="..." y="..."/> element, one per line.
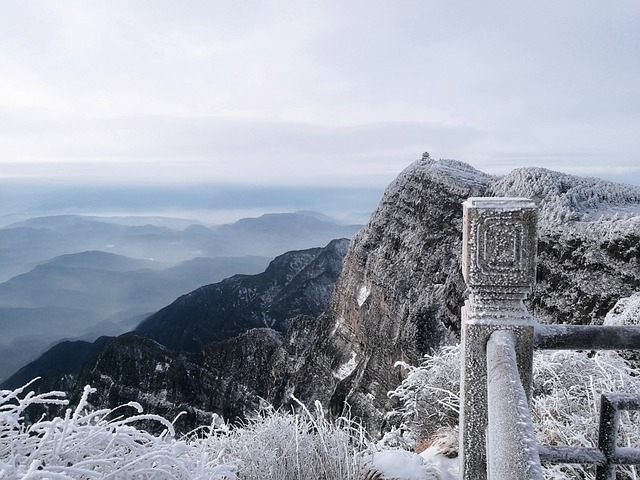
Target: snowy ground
<point x="93" y="444"/>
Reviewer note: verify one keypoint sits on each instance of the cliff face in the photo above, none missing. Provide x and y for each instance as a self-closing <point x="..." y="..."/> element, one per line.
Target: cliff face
<point x="224" y="378"/>
<point x="401" y="290"/>
<point x="398" y="295"/>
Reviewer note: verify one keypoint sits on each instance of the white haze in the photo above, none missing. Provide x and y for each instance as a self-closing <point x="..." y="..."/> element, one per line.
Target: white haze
<point x="314" y="93"/>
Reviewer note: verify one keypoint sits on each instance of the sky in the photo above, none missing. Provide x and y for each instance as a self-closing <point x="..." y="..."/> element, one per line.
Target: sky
<point x="339" y="93"/>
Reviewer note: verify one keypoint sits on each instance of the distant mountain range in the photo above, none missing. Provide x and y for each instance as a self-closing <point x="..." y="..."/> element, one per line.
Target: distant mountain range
<point x="82" y="277"/>
<point x="398" y="297"/>
<point x="25" y="244"/>
<point x="222" y="334"/>
<point x="295" y="283"/>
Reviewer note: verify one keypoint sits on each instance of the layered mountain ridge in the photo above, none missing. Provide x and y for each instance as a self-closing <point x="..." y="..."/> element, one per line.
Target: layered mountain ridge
<point x="401" y="288"/>
<point x="398" y="296"/>
<point x="295" y="283"/>
<point x="207" y="352"/>
<point x="79" y="277"/>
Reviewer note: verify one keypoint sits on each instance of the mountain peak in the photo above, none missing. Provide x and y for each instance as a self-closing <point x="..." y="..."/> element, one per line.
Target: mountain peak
<point x="223" y="310"/>
<point x="563" y="197"/>
<point x="400" y="291"/>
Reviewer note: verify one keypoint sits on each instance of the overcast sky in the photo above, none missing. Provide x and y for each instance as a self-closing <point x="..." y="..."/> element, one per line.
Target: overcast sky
<point x="332" y="92"/>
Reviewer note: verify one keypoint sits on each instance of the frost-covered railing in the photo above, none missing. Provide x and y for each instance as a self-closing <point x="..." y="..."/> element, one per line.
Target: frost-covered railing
<point x="499" y="335"/>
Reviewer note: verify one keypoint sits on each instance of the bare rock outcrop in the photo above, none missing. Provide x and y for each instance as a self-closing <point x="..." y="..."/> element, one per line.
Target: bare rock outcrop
<point x="397" y="297"/>
<point x="400" y="291"/>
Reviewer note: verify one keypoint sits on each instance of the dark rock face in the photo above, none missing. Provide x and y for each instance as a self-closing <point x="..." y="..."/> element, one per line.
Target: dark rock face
<point x="592" y="279"/>
<point x="295" y="283"/>
<point x="400" y="291"/>
<point x="225" y="378"/>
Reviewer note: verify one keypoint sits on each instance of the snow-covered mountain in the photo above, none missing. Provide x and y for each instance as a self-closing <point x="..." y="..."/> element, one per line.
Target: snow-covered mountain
<point x="401" y="289"/>
<point x="397" y="298"/>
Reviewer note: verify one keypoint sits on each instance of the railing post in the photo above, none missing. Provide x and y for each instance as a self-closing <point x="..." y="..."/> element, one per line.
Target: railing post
<point x="498" y="265"/>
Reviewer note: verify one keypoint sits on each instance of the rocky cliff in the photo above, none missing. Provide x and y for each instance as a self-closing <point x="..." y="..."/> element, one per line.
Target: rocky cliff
<point x="225" y="377"/>
<point x="397" y="298"/>
<point x="295" y="283"/>
<point x="400" y="291"/>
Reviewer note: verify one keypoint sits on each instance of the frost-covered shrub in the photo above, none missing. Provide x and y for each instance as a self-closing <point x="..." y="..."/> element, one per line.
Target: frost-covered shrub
<point x="429" y="396"/>
<point x="88" y="444"/>
<point x="566" y="403"/>
<point x="565" y="406"/>
<point x="293" y="446"/>
<point x="85" y="444"/>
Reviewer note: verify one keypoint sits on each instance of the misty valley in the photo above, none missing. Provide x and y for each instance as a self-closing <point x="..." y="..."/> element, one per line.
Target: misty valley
<point x="220" y="333"/>
<point x="80" y="277"/>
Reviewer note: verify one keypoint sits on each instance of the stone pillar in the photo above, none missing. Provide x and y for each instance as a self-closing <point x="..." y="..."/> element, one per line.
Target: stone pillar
<point x="498" y="264"/>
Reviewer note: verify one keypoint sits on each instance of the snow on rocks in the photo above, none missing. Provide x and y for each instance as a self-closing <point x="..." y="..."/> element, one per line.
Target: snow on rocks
<point x="403" y="465"/>
<point x="346" y="368"/>
<point x="447" y="468"/>
<point x="625" y="312"/>
<point x="363" y="293"/>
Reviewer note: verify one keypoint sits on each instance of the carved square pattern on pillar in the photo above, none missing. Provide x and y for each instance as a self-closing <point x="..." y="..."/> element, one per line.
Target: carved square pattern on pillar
<point x="500" y="247"/>
<point x="499" y="242"/>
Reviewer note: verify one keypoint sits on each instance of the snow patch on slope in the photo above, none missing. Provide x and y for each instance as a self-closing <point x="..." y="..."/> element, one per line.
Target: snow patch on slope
<point x="344" y="370"/>
<point x="363" y="293"/>
<point x="400" y="464"/>
<point x="625" y="312"/>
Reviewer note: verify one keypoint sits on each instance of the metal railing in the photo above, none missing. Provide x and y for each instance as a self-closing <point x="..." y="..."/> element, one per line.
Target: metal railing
<point x="497" y="439"/>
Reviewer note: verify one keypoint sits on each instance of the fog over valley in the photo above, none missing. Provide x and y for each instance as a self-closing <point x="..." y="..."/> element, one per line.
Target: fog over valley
<point x="80" y="276"/>
<point x="210" y="205"/>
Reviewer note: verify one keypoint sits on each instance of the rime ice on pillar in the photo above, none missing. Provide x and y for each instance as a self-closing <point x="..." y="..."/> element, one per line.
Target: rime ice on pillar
<point x="498" y="265"/>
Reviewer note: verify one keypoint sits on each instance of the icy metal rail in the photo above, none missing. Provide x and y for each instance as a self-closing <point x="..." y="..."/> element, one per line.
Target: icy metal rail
<point x="587" y="337"/>
<point x="608" y="454"/>
<point x="512" y="451"/>
<point x="610" y="406"/>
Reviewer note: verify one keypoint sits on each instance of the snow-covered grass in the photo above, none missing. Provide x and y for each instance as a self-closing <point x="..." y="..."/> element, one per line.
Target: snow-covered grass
<point x="292" y="446"/>
<point x="566" y="403"/>
<point x="93" y="444"/>
<point x="565" y="406"/>
<point x="100" y="444"/>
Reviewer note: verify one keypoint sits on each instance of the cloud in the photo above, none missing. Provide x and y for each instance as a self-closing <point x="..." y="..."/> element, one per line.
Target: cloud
<point x="214" y="149"/>
<point x="283" y="91"/>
